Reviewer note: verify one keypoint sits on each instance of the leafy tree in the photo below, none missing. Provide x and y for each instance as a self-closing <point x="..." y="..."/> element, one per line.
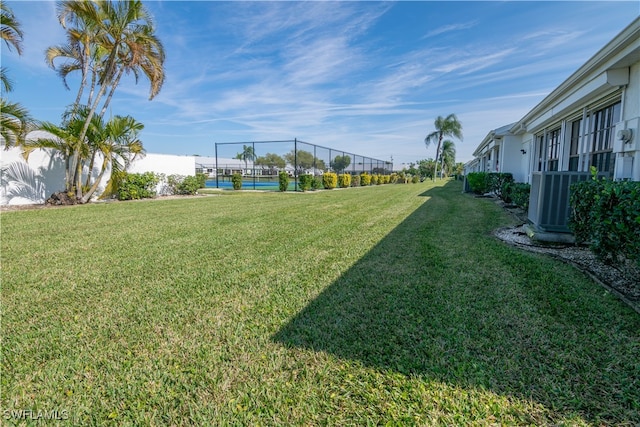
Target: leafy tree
<point x="106" y="39"/>
<point x="447" y="126"/>
<point x="305" y="160"/>
<point x="426" y="168"/>
<point x="411" y="170"/>
<point x="15" y="121"/>
<point x="340" y="163"/>
<point x="271" y="160"/>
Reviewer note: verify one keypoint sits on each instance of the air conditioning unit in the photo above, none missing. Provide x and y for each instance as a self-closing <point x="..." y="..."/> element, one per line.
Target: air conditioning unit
<point x="549" y="207"/>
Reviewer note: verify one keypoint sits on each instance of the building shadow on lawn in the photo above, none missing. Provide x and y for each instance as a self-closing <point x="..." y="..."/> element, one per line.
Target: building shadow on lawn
<point x="398" y="308"/>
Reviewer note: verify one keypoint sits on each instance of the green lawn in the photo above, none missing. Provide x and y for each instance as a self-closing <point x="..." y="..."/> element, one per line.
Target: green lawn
<point x="382" y="305"/>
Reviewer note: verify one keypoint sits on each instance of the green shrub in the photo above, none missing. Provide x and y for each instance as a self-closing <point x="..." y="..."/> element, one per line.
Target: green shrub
<point x="236" y="181"/>
<point x="202" y="180"/>
<point x="344" y="180"/>
<point x="316" y="184"/>
<point x="283" y="181"/>
<point x="189" y="185"/>
<point x="478" y="182"/>
<point x="415" y="179"/>
<point x="374" y="179"/>
<point x="393" y="178"/>
<point x="329" y="180"/>
<point x="365" y="179"/>
<point x="305" y="182"/>
<point x="607" y="214"/>
<point x="137" y="186"/>
<point x="183" y="185"/>
<point x="355" y="181"/>
<point x="519" y="194"/>
<point x="495" y="181"/>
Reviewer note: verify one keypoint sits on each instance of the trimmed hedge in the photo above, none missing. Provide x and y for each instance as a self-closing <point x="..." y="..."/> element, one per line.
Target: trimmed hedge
<point x="344" y="180"/>
<point x="329" y="180"/>
<point x="305" y="182"/>
<point x="516" y="193"/>
<point x="283" y="181"/>
<point x="355" y="181"/>
<point x="365" y="179"/>
<point x="478" y="182"/>
<point x="236" y="181"/>
<point x="607" y="214"/>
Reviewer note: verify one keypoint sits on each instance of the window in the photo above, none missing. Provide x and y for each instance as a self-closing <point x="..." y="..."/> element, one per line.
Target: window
<point x="540" y="149"/>
<point x="574" y="148"/>
<point x="553" y="149"/>
<point x="601" y="135"/>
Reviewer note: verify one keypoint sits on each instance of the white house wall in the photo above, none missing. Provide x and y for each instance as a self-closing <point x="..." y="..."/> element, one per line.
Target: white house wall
<point x="612" y="74"/>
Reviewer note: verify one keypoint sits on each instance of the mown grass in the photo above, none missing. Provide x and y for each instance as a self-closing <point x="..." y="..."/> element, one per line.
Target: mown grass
<point x="383" y="305"/>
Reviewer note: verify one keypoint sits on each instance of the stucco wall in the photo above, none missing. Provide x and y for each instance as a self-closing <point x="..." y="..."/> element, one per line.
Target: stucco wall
<point x="29" y="183"/>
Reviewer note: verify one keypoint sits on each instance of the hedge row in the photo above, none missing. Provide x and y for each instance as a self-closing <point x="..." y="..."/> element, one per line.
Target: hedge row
<point x="607" y="214"/>
<point x="330" y="180"/>
<point x="502" y="185"/>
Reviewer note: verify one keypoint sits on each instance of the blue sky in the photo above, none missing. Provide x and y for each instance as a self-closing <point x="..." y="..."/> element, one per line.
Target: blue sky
<point x="365" y="77"/>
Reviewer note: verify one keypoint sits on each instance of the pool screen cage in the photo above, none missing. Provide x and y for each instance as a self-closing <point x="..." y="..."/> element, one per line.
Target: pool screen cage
<point x="260" y="161"/>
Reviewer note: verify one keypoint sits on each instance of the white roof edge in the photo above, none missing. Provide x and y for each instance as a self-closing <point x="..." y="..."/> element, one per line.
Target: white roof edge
<point x="629" y="35"/>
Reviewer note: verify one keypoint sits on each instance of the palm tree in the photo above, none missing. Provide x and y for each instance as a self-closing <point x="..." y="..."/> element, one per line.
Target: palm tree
<point x="14" y="118"/>
<point x="105" y="41"/>
<point x="248" y="153"/>
<point x="10" y="28"/>
<point x="449" y="126"/>
<point x="119" y="146"/>
<point x="14" y="123"/>
<point x="448" y="156"/>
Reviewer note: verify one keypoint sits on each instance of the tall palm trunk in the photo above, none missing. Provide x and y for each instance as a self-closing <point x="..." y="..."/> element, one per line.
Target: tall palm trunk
<point x="435" y="172"/>
<point x="83" y="134"/>
<point x="94" y="187"/>
<point x="113" y="89"/>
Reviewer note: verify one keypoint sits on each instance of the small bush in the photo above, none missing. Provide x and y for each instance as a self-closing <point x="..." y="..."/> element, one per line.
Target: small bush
<point x="355" y="181"/>
<point x="344" y="180"/>
<point x="202" y="180"/>
<point x="283" y="181"/>
<point x="495" y="181"/>
<point x="236" y="181"/>
<point x="316" y="184"/>
<point x="374" y="180"/>
<point x="393" y="178"/>
<point x="607" y="214"/>
<point x="183" y="185"/>
<point x="365" y="179"/>
<point x="519" y="194"/>
<point x="329" y="180"/>
<point x="137" y="186"/>
<point x="415" y="179"/>
<point x="305" y="182"/>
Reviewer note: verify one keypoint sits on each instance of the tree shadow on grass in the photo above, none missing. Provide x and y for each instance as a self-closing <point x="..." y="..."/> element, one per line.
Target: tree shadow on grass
<point x="406" y="306"/>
